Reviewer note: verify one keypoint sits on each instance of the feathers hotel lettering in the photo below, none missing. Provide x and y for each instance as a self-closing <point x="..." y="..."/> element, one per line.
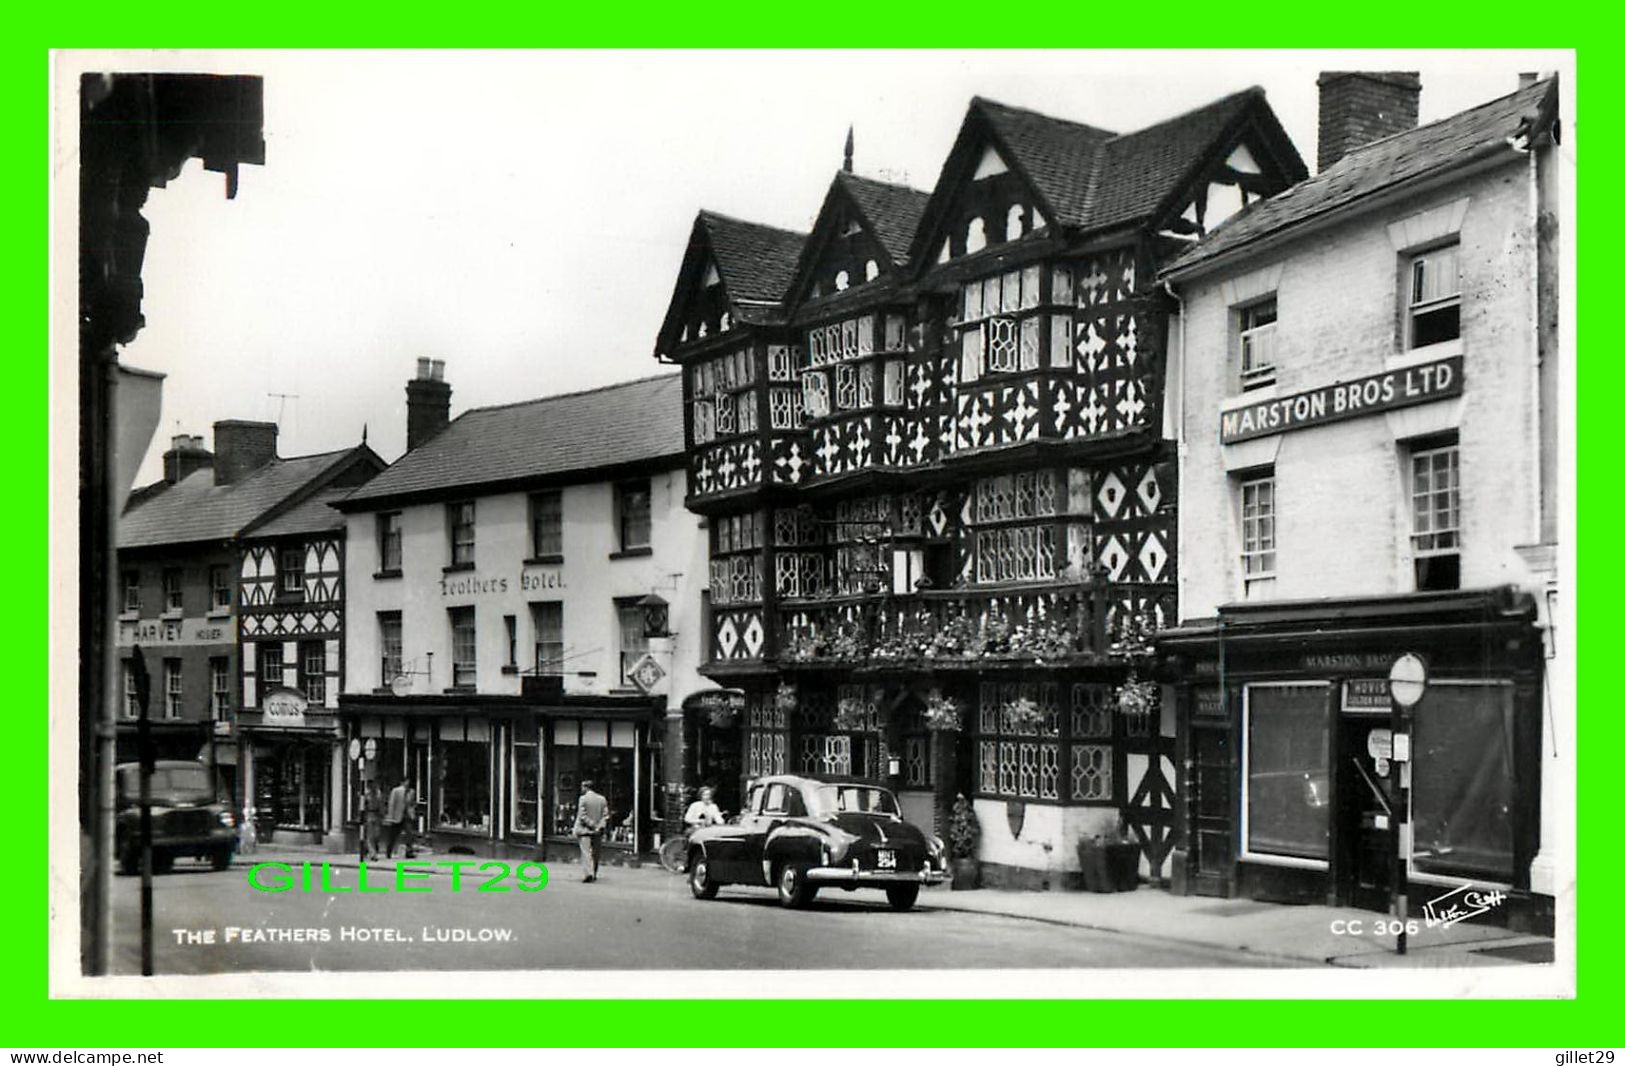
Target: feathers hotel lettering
<point x="1422" y="383"/>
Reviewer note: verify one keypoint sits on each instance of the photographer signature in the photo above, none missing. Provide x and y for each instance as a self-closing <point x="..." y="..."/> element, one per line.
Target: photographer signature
<point x="1460" y="904"/>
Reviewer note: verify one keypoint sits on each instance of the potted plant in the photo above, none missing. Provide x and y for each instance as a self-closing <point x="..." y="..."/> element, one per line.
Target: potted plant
<point x="963" y="831"/>
<point x="1110" y="862"/>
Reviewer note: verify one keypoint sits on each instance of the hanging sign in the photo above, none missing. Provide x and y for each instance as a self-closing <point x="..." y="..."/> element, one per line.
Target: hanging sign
<point x="1379" y="744"/>
<point x="285" y="706"/>
<point x="646" y="674"/>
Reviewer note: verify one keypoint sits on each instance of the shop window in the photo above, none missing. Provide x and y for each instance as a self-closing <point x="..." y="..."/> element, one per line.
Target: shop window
<point x="389" y="542"/>
<point x="1256" y="342"/>
<point x="1286" y="769"/>
<point x="1436" y="517"/>
<point x="270" y="666"/>
<point x="389" y="646"/>
<point x="173" y="603"/>
<point x="291" y="786"/>
<point x="1258" y="529"/>
<point x="313" y="672"/>
<point x="634" y="643"/>
<point x="172" y="688"/>
<point x="132" y="591"/>
<point x="220" y="688"/>
<point x="1462" y="793"/>
<point x="292" y="571"/>
<point x="460" y="519"/>
<point x="463" y="780"/>
<point x="632" y="514"/>
<point x="547" y="525"/>
<point x="464" y="648"/>
<point x="527" y="782"/>
<point x="600" y="752"/>
<point x="1433" y="306"/>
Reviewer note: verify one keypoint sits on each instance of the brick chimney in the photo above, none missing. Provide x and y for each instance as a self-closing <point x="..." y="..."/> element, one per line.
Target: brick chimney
<point x="1361" y="106"/>
<point x="240" y="448"/>
<point x="428" y="403"/>
<point x="186" y="455"/>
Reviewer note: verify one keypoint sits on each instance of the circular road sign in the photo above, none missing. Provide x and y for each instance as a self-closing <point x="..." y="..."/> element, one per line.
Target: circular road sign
<point x="355" y="748"/>
<point x="400" y="685"/>
<point x="1407" y="680"/>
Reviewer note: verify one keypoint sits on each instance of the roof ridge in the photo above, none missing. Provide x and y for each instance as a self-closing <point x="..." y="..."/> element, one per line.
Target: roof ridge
<point x="1251" y="90"/>
<point x="985" y="101"/>
<point x="847" y="175"/>
<point x="707" y="213"/>
<point x="1453" y="116"/>
<point x="566" y="395"/>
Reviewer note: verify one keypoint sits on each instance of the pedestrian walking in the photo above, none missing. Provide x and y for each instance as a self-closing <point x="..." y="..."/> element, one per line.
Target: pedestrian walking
<point x="592" y="814"/>
<point x="372" y="819"/>
<point x="409" y="824"/>
<point x="394" y="817"/>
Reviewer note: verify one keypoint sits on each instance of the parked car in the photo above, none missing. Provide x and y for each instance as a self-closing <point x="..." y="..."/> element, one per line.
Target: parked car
<point x="190" y="817"/>
<point x="800" y="834"/>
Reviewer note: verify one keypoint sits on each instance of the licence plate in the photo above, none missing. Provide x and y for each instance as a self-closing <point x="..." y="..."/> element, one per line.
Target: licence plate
<point x="886" y="860"/>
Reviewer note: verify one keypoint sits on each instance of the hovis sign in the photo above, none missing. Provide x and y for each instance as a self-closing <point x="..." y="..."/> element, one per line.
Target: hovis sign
<point x="1438" y="380"/>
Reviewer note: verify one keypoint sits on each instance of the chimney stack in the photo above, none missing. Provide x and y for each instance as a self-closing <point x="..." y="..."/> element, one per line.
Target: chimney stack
<point x="240" y="448"/>
<point x="1528" y="78"/>
<point x="186" y="455"/>
<point x="1361" y="106"/>
<point x="428" y="403"/>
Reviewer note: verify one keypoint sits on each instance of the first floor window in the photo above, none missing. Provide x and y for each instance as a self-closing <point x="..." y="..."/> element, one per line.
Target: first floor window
<point x="172" y="591"/>
<point x="463" y="777"/>
<point x="1286" y="757"/>
<point x="634" y="641"/>
<point x="632" y="513"/>
<point x="172" y="688"/>
<point x="132" y="591"/>
<point x="313" y="672"/>
<point x="132" y="702"/>
<point x="464" y="653"/>
<point x="293" y="570"/>
<point x="1436" y="517"/>
<point x="220" y="687"/>
<point x="389" y="646"/>
<point x="219" y="588"/>
<point x="547" y="622"/>
<point x="546" y="524"/>
<point x="1258" y="528"/>
<point x="270" y="666"/>
<point x="461" y="518"/>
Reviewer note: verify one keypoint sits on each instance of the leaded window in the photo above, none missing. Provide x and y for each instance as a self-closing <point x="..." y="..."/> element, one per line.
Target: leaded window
<point x="1091" y="772"/>
<point x="815" y="394"/>
<point x="892" y="383"/>
<point x="846" y="387"/>
<point x="736" y="560"/>
<point x="1019" y="755"/>
<point x="1092" y="711"/>
<point x="785" y="407"/>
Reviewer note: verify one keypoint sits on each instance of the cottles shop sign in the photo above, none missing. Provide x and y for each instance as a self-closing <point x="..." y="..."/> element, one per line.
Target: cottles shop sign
<point x="1438" y="380"/>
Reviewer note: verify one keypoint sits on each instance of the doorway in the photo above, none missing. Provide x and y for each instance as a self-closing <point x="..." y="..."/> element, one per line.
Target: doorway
<point x="1365" y="837"/>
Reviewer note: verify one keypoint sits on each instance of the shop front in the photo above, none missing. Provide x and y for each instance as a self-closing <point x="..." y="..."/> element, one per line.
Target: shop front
<point x="289" y="751"/>
<point x="501" y="776"/>
<point x="1295" y="770"/>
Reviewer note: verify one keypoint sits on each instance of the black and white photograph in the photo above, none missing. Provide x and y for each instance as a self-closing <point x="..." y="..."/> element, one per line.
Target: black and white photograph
<point x="823" y="523"/>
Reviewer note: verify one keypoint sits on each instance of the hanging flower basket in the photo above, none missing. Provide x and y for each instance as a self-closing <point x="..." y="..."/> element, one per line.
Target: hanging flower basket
<point x="1024" y="714"/>
<point x="851" y="716"/>
<point x="1136" y="698"/>
<point x="723" y="717"/>
<point x="943" y="713"/>
<point x="785" y="698"/>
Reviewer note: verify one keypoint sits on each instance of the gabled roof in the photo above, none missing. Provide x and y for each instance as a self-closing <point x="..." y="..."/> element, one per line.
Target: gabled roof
<point x="755" y="264"/>
<point x="890" y="213"/>
<point x="561" y="436"/>
<point x="1086" y="178"/>
<point x="312" y="515"/>
<point x="196" y="509"/>
<point x="1366" y="171"/>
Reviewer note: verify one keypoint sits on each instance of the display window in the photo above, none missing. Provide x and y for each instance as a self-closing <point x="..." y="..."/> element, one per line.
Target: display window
<point x="1286" y="808"/>
<point x="463" y="774"/>
<point x="605" y="754"/>
<point x="1462" y="791"/>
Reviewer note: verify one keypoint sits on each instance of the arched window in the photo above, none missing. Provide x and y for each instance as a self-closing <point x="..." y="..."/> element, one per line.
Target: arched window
<point x="871" y="270"/>
<point x="1013" y="222"/>
<point x="975" y="236"/>
<point x="842" y="281"/>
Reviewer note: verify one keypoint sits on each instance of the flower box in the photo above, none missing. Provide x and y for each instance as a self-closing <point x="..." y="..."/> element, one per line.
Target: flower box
<point x="1109" y="867"/>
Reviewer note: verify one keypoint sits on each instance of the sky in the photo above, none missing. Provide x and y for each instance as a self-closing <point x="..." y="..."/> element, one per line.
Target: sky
<point x="522" y="215"/>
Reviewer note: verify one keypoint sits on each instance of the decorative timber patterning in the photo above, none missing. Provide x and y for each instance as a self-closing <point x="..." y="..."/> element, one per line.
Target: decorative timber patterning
<point x="1114" y="386"/>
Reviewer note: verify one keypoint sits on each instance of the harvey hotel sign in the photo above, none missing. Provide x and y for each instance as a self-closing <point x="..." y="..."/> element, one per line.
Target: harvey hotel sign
<point x="1438" y="380"/>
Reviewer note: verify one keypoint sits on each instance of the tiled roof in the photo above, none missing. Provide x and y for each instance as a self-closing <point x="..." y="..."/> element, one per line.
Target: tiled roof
<point x="315" y="515"/>
<point x="575" y="432"/>
<point x="1383" y="164"/>
<point x="893" y="211"/>
<point x="1136" y="172"/>
<point x="756" y="262"/>
<point x="1057" y="155"/>
<point x="196" y="509"/>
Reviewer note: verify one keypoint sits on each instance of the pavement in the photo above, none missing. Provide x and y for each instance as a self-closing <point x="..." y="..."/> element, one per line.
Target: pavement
<point x="1274" y="933"/>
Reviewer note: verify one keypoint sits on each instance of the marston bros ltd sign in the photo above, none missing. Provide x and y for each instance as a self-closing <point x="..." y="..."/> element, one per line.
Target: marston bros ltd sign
<point x="1438" y="380"/>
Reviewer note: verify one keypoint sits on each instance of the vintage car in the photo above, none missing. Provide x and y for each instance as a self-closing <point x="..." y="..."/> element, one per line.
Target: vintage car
<point x="189" y="816"/>
<point x="799" y="834"/>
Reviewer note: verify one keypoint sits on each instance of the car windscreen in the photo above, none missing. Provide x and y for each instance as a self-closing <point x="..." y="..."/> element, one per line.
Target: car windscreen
<point x="191" y="782"/>
<point x="842" y="799"/>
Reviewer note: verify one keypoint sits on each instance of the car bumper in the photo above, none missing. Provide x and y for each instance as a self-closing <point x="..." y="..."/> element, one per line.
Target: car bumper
<point x="847" y="875"/>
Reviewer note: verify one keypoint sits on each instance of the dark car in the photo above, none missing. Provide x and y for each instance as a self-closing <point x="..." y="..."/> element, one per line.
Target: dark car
<point x="800" y="834"/>
<point x="190" y="817"/>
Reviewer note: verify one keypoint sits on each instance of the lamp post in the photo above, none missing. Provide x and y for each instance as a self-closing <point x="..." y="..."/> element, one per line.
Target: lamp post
<point x="1407" y="682"/>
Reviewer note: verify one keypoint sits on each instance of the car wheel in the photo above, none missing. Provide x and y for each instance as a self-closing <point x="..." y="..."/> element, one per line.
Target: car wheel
<point x="699" y="877"/>
<point x="902" y="897"/>
<point x="794" y="888"/>
<point x="221" y="859"/>
<point x="162" y="862"/>
<point x="129" y="863"/>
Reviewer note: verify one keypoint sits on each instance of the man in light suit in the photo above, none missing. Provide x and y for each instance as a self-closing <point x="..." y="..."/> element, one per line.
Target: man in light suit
<point x="592" y="814"/>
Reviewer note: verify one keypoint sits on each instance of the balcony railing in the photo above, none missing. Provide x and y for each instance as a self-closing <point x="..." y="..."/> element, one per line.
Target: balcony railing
<point x="969" y="627"/>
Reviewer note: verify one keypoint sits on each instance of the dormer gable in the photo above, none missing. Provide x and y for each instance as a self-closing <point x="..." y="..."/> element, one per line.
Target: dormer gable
<point x="733" y="273"/>
<point x="861" y="236"/>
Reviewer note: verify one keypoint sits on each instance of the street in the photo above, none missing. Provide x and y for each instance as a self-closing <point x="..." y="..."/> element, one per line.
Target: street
<point x="630" y="919"/>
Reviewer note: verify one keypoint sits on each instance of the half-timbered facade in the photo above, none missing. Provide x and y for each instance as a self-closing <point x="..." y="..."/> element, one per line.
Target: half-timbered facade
<point x="207" y="558"/>
<point x="951" y="503"/>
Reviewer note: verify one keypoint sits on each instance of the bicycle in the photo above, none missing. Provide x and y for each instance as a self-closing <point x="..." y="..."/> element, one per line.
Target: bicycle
<point x="674" y="854"/>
